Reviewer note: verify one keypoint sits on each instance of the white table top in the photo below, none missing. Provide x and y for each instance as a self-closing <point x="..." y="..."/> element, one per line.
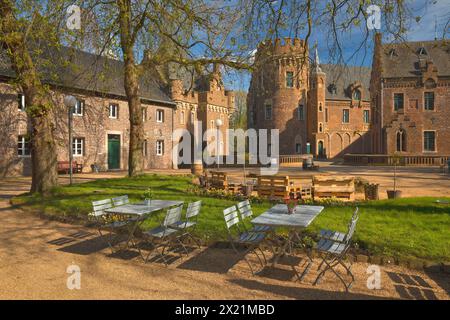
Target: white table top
<point x="141" y="208"/>
<point x="278" y="216"/>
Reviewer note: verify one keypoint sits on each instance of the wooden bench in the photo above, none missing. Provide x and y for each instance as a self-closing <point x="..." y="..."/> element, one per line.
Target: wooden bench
<point x="276" y="187"/>
<point x="219" y="180"/>
<point x="64" y="167"/>
<point x="340" y="187"/>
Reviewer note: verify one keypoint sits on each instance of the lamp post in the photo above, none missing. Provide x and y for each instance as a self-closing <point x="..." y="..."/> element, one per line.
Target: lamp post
<point x="70" y="102"/>
<point x="219" y="123"/>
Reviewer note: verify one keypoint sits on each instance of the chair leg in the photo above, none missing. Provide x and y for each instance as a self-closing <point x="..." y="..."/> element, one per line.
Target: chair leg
<point x="197" y="241"/>
<point x="330" y="266"/>
<point x="249" y="264"/>
<point x="182" y="244"/>
<point x="323" y="260"/>
<point x="256" y="254"/>
<point x="108" y="241"/>
<point x="262" y="252"/>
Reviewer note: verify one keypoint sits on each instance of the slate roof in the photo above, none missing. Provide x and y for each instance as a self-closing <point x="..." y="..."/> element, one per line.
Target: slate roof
<point x="401" y="60"/>
<point x="342" y="77"/>
<point x="76" y="69"/>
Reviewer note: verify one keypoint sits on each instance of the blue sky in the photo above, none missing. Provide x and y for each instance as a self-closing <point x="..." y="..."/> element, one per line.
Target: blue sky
<point x="431" y="12"/>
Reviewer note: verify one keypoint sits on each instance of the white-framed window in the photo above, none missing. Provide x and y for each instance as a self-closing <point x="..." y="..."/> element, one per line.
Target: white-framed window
<point x="268" y="112"/>
<point x="398" y="101"/>
<point x="23" y="146"/>
<point x="320" y="127"/>
<point x="345" y="116"/>
<point x="301" y="112"/>
<point x="21" y="102"/>
<point x="78" y="109"/>
<point x="429" y="141"/>
<point x="289" y="79"/>
<point x="113" y="111"/>
<point x="182" y="119"/>
<point x="159" y="147"/>
<point x="77" y="147"/>
<point x="366" y="116"/>
<point x="298" y="148"/>
<point x="320" y="107"/>
<point x="144" y="148"/>
<point x="159" y="115"/>
<point x="144" y="114"/>
<point x="428" y="98"/>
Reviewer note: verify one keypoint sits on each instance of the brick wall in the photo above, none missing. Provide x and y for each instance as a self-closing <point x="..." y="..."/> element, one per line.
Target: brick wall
<point x="414" y="119"/>
<point x="93" y="126"/>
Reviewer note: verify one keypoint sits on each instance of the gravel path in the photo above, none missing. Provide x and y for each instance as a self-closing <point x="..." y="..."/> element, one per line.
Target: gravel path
<point x="35" y="255"/>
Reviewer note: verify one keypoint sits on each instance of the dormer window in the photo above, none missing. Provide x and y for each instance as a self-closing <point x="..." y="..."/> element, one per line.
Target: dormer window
<point x="392" y="53"/>
<point x="357" y="94"/>
<point x="332" y="88"/>
<point x="422" y="51"/>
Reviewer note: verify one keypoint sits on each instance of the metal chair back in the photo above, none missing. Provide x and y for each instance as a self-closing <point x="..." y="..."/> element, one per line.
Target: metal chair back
<point x="173" y="216"/>
<point x="120" y="201"/>
<point x="231" y="217"/>
<point x="245" y="209"/>
<point x="193" y="209"/>
<point x="351" y="230"/>
<point x="355" y="213"/>
<point x="100" y="206"/>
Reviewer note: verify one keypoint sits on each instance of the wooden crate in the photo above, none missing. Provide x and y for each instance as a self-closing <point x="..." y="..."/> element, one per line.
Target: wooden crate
<point x="276" y="187"/>
<point x="340" y="187"/>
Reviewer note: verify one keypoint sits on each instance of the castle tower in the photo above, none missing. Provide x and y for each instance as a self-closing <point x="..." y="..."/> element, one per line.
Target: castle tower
<point x="277" y="89"/>
<point x="316" y="110"/>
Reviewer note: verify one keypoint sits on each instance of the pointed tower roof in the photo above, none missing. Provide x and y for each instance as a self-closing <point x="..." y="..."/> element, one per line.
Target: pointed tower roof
<point x="317" y="68"/>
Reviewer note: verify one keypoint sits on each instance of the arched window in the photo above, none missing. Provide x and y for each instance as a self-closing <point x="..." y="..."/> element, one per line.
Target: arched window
<point x="320" y="107"/>
<point x="356" y="94"/>
<point x="320" y="151"/>
<point x="401" y="141"/>
<point x="320" y="127"/>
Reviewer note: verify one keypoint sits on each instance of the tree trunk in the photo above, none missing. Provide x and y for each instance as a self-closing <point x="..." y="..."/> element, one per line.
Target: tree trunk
<point x="135" y="155"/>
<point x="39" y="103"/>
<point x="131" y="84"/>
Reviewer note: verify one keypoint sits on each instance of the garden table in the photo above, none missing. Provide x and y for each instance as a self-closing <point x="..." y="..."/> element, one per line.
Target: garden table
<point x="278" y="217"/>
<point x="140" y="211"/>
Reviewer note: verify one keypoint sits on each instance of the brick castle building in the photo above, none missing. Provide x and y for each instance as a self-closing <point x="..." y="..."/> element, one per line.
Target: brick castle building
<point x="400" y="105"/>
<point x="101" y="119"/>
<point x="319" y="109"/>
<point x="410" y="89"/>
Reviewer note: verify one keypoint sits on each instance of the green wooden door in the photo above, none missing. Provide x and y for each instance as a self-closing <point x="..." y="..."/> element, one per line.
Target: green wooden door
<point x="113" y="151"/>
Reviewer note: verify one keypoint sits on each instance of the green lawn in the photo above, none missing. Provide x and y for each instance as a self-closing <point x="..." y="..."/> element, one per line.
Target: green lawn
<point x="404" y="228"/>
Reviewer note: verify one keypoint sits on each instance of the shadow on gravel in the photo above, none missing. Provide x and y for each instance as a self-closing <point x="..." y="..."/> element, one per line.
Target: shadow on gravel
<point x="411" y="286"/>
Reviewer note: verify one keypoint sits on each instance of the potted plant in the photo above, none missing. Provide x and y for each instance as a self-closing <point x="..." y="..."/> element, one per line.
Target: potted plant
<point x="291" y="203"/>
<point x="394" y="194"/>
<point x="148" y="195"/>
